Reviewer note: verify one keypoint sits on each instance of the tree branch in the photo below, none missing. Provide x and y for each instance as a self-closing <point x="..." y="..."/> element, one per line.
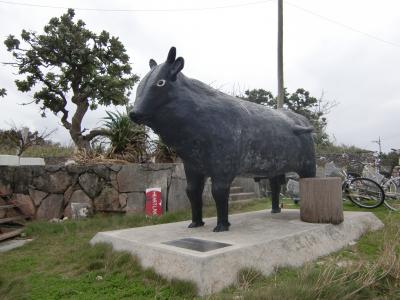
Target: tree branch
<point x="64" y="119"/>
<point x="96" y="132"/>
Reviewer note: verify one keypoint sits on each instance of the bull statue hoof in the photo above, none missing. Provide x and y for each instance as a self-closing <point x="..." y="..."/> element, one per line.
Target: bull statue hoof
<point x="276" y="210"/>
<point x="221" y="227"/>
<point x="196" y="224"/>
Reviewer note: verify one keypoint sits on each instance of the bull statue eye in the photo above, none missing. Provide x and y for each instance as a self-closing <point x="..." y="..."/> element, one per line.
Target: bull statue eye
<point x="161" y="82"/>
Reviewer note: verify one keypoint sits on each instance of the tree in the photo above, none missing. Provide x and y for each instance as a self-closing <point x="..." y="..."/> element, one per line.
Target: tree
<point x="3" y="92"/>
<point x="69" y="63"/>
<point x="301" y="102"/>
<point x="260" y="96"/>
<point x="21" y="139"/>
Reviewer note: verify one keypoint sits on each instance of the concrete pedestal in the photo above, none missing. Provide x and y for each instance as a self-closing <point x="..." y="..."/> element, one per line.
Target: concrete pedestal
<point x="258" y="240"/>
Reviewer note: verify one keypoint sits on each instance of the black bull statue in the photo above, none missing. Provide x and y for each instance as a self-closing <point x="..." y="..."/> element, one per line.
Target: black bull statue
<point x="220" y="136"/>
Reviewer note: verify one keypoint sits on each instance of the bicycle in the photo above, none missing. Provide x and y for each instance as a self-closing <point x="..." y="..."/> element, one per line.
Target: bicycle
<point x="363" y="192"/>
<point x="391" y="188"/>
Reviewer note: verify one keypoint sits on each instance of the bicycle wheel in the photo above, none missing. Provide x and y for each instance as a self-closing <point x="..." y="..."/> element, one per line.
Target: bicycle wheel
<point x="392" y="194"/>
<point x="365" y="192"/>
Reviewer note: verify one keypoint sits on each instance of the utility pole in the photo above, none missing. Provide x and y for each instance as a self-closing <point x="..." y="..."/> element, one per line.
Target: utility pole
<point x="281" y="90"/>
<point x="379" y="142"/>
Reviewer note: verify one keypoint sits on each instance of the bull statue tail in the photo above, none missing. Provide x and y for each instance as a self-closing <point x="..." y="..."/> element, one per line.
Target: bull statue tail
<point x="297" y="129"/>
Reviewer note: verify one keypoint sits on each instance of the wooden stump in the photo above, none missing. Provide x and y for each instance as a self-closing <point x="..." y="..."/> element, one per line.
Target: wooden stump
<point x="321" y="200"/>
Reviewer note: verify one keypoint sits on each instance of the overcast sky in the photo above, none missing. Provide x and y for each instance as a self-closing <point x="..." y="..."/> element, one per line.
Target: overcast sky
<point x="347" y="50"/>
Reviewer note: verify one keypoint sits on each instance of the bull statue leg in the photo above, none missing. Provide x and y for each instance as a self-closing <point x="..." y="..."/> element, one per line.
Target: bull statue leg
<point x="194" y="191"/>
<point x="308" y="172"/>
<point x="275" y="183"/>
<point x="220" y="191"/>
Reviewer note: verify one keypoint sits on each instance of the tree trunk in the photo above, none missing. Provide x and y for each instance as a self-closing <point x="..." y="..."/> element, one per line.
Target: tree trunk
<point x="321" y="200"/>
<point x="76" y="125"/>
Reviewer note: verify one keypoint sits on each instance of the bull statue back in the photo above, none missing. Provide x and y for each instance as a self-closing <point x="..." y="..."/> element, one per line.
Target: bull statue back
<point x="220" y="136"/>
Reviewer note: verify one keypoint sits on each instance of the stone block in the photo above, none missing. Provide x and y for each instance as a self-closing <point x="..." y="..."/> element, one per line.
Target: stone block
<point x="178" y="171"/>
<point x="131" y="179"/>
<point x="76" y="169"/>
<point x="53" y="168"/>
<point x="6" y="180"/>
<point x="115" y="168"/>
<point x="79" y="196"/>
<point x="57" y="182"/>
<point x="91" y="184"/>
<point x="24" y="204"/>
<point x="102" y="171"/>
<point x="108" y="200"/>
<point x="37" y="196"/>
<point x="177" y="198"/>
<point x="23" y="177"/>
<point x="5" y="189"/>
<point x="135" y="202"/>
<point x="51" y="207"/>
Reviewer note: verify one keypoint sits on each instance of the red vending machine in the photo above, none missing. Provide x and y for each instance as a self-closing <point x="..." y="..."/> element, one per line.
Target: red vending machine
<point x="153" y="202"/>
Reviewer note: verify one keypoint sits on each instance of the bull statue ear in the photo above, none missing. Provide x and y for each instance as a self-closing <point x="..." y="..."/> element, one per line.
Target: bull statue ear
<point x="171" y="55"/>
<point x="177" y="66"/>
<point x="152" y="63"/>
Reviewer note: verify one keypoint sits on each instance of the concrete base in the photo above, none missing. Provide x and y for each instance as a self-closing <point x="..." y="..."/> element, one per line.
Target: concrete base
<point x="257" y="240"/>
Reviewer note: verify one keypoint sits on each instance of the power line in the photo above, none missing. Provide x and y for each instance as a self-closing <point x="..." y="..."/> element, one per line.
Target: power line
<point x="344" y="25"/>
<point x="138" y="10"/>
<point x="207" y="9"/>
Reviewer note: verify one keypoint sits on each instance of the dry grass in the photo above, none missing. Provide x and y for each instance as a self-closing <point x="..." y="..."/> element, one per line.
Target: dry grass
<point x="84" y="157"/>
<point x="369" y="269"/>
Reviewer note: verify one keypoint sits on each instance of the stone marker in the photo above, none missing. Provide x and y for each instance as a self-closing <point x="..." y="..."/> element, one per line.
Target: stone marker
<point x="321" y="200"/>
<point x="80" y="210"/>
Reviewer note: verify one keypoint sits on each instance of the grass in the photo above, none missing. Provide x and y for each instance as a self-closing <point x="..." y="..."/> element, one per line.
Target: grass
<point x="370" y="269"/>
<point x="60" y="264"/>
<point x="42" y="151"/>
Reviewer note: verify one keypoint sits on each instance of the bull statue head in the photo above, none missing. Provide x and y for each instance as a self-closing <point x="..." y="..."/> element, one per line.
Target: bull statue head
<point x="155" y="88"/>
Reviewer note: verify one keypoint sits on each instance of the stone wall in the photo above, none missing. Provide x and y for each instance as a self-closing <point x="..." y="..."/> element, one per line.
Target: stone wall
<point x="46" y="192"/>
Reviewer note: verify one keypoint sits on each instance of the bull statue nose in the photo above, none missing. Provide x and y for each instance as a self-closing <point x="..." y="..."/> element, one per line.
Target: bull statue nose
<point x="134" y="116"/>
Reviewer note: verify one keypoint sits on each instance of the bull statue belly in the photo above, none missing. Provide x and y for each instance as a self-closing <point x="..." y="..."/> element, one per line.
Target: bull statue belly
<point x="220" y="136"/>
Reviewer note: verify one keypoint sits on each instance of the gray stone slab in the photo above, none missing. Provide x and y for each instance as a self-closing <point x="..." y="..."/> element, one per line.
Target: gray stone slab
<point x="12" y="244"/>
<point x="13" y="160"/>
<point x="9" y="160"/>
<point x="258" y="240"/>
<point x="31" y="161"/>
